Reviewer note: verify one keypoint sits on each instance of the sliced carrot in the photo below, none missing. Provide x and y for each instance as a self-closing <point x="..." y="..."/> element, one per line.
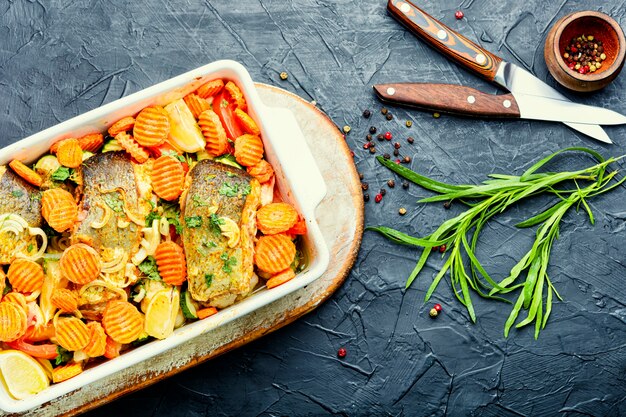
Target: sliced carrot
<point x="171" y="262"/>
<point x="122" y="125"/>
<point x="210" y="89"/>
<point x="248" y="150"/>
<point x="91" y="142"/>
<point x="12" y="322"/>
<point x="152" y="126"/>
<point x="299" y="228"/>
<point x="97" y="340"/>
<point x="280" y="278"/>
<point x="26" y="173"/>
<point x="63" y="216"/>
<point x="18" y="299"/>
<point x="69" y="153"/>
<point x="51" y="198"/>
<point x="39" y="333"/>
<point x="112" y="348"/>
<point x="25" y="275"/>
<point x="65" y="372"/>
<point x="80" y="264"/>
<point x="196" y="104"/>
<point x="131" y="146"/>
<point x="247" y="123"/>
<point x="168" y="177"/>
<point x="122" y="322"/>
<point x="262" y="171"/>
<point x="274" y="253"/>
<point x="276" y="218"/>
<point x="236" y="95"/>
<point x="65" y="300"/>
<point x="203" y="313"/>
<point x="71" y="333"/>
<point x="214" y="133"/>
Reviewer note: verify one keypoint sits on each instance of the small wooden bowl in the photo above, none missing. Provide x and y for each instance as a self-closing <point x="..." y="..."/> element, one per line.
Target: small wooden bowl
<point x="603" y="28"/>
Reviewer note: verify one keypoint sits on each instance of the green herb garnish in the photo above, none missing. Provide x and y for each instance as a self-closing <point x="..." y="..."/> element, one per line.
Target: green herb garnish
<point x="245" y="189"/>
<point x="153" y="215"/>
<point x="114" y="202"/>
<point x="61" y="174"/>
<point x="63" y="356"/>
<point x="171" y="211"/>
<point x="208" y="278"/>
<point x="30" y="247"/>
<point x="175" y="155"/>
<point x="193" y="221"/>
<point x="17" y="193"/>
<point x="214" y="223"/>
<point x="228" y="262"/>
<point x="149" y="268"/>
<point x="229" y="190"/>
<point x="198" y="201"/>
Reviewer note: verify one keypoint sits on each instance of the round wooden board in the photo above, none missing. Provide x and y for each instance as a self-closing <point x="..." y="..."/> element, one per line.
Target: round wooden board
<point x="342" y="229"/>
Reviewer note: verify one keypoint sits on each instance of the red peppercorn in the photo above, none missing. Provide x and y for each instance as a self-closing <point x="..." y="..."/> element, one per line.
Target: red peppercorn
<point x="434" y="248"/>
<point x="574" y="49"/>
<point x="378" y="198"/>
<point x="437" y="307"/>
<point x="459" y="15"/>
<point x="388" y="135"/>
<point x="398" y="161"/>
<point x="442" y="248"/>
<point x="341" y="353"/>
<point x="367" y="145"/>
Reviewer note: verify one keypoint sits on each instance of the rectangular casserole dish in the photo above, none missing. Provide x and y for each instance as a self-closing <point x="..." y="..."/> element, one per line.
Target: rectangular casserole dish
<point x="297" y="177"/>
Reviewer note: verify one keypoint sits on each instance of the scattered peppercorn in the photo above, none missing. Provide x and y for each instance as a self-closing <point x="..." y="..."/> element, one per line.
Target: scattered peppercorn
<point x="368" y="137"/>
<point x="396" y="145"/>
<point x="436" y="115"/>
<point x="396" y="152"/>
<point x="406" y="159"/>
<point x="380" y="137"/>
<point x="352" y="153"/>
<point x="366" y="197"/>
<point x="391" y="183"/>
<point x="384" y="110"/>
<point x="408" y="123"/>
<point x="367" y="113"/>
<point x="402" y="211"/>
<point x="361" y="175"/>
<point x="447" y="205"/>
<point x="387" y="156"/>
<point x="389" y="116"/>
<point x="584" y="54"/>
<point x="433" y="313"/>
<point x="372" y="129"/>
<point x="367" y="145"/>
<point x="382" y="191"/>
<point x="442" y="248"/>
<point x="405" y="184"/>
<point x="347" y="129"/>
<point x="341" y="353"/>
<point x="388" y="135"/>
<point x="378" y="198"/>
<point x="459" y="15"/>
<point x="372" y="150"/>
<point x="437" y="307"/>
<point x="410" y="140"/>
<point x="284" y="75"/>
<point x="398" y="161"/>
<point x="434" y="249"/>
<point x="365" y="186"/>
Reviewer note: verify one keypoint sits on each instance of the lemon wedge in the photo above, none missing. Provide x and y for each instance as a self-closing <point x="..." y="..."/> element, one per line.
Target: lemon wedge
<point x="185" y="134"/>
<point x="161" y="313"/>
<point x="23" y="376"/>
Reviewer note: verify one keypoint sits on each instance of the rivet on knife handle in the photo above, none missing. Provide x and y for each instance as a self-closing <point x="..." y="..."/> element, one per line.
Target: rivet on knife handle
<point x="448" y="98"/>
<point x="453" y="45"/>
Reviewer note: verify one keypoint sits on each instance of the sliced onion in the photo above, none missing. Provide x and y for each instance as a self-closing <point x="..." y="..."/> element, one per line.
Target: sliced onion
<point x="164" y="226"/>
<point x="13" y="223"/>
<point x="106" y="216"/>
<point x="109" y="286"/>
<point x="80" y="356"/>
<point x="119" y="260"/>
<point x="152" y="238"/>
<point x="122" y="224"/>
<point x="139" y="257"/>
<point x="36" y="231"/>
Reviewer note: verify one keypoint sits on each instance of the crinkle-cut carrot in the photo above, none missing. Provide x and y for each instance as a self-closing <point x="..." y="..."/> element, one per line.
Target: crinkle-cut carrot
<point x="26" y="173"/>
<point x="51" y="198"/>
<point x="91" y="142"/>
<point x="131" y="146"/>
<point x="248" y="150"/>
<point x="171" y="263"/>
<point x="236" y="95"/>
<point x="71" y="333"/>
<point x="209" y="89"/>
<point x="123" y="125"/>
<point x="280" y="278"/>
<point x="168" y="177"/>
<point x="262" y="171"/>
<point x="97" y="340"/>
<point x="67" y="371"/>
<point x="65" y="300"/>
<point x="12" y="322"/>
<point x="203" y="313"/>
<point x="69" y="153"/>
<point x="274" y="253"/>
<point x="247" y="123"/>
<point x="80" y="264"/>
<point x="122" y="321"/>
<point x="196" y="104"/>
<point x="214" y="133"/>
<point x="112" y="348"/>
<point x="16" y="298"/>
<point x="276" y="218"/>
<point x="299" y="228"/>
<point x="62" y="216"/>
<point x="25" y="275"/>
<point x="152" y="126"/>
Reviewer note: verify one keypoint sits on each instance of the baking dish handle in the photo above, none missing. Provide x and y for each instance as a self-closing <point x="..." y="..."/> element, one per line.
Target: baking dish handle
<point x="296" y="162"/>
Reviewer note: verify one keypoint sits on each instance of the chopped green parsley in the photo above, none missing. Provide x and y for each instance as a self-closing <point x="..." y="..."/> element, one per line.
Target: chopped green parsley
<point x="149" y="268"/>
<point x="193" y="221"/>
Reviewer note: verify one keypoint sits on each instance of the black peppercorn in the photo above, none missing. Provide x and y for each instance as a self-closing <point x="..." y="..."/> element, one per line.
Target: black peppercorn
<point x="384" y="110"/>
<point x="367" y="113"/>
<point x="396" y="145"/>
<point x="405" y="184"/>
<point x="366" y="197"/>
<point x="406" y="159"/>
<point x="391" y="183"/>
<point x="361" y="175"/>
<point x="410" y="139"/>
<point x="372" y="150"/>
<point x="368" y="137"/>
<point x="396" y="152"/>
<point x="365" y="186"/>
<point x="447" y="205"/>
<point x="372" y="129"/>
<point x="389" y="116"/>
<point x="382" y="191"/>
<point x="380" y="137"/>
<point x="386" y="156"/>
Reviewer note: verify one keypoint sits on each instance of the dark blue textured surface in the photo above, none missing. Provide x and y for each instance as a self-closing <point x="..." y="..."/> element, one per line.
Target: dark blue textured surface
<point x="61" y="58"/>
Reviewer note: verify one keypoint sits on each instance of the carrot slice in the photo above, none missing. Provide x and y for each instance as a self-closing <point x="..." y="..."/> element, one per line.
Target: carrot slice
<point x="80" y="264"/>
<point x="122" y="322"/>
<point x="112" y="348"/>
<point x="203" y="313"/>
<point x="63" y="216"/>
<point x="274" y="253"/>
<point x="69" y="153"/>
<point x="71" y="333"/>
<point x="91" y="142"/>
<point x="65" y="372"/>
<point x="65" y="300"/>
<point x="131" y="146"/>
<point x="25" y="275"/>
<point x="280" y="278"/>
<point x="26" y="173"/>
<point x="276" y="218"/>
<point x="170" y="260"/>
<point x="196" y="104"/>
<point x="168" y="177"/>
<point x="299" y="228"/>
<point x="262" y="171"/>
<point x="247" y="123"/>
<point x="210" y="89"/>
<point x="18" y="299"/>
<point x="236" y="95"/>
<point x="51" y="198"/>
<point x="12" y="322"/>
<point x="122" y="125"/>
<point x="152" y="126"/>
<point x="97" y="340"/>
<point x="248" y="150"/>
<point x="214" y="133"/>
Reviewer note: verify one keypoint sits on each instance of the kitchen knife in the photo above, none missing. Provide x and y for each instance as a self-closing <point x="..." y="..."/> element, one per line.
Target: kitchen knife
<point x="463" y="100"/>
<point x="477" y="59"/>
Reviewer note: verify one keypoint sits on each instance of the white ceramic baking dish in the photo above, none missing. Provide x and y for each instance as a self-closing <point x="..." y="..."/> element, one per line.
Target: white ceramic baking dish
<point x="298" y="177"/>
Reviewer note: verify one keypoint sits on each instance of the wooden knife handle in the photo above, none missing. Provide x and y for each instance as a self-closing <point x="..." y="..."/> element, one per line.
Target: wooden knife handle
<point x="451" y="44"/>
<point x="447" y="98"/>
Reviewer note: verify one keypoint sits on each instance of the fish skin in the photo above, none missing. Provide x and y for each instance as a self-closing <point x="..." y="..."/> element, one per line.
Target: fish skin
<point x="26" y="201"/>
<point x="204" y="248"/>
<point x="107" y="171"/>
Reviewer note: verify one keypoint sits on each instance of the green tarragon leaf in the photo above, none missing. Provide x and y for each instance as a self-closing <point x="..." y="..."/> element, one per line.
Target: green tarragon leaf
<point x="193" y="221"/>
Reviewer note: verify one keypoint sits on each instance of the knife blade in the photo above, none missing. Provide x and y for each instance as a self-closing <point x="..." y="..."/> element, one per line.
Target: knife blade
<point x="477" y="59"/>
<point x="463" y="100"/>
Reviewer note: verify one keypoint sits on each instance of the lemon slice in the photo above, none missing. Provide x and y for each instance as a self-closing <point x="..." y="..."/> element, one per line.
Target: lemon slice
<point x="161" y="313"/>
<point x="23" y="376"/>
<point x="185" y="134"/>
